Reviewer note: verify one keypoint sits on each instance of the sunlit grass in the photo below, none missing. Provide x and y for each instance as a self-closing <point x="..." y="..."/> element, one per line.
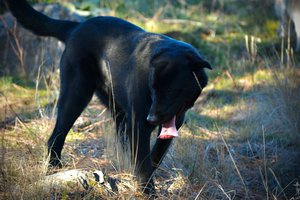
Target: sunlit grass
<point x="74" y="136"/>
<point x="20" y="96"/>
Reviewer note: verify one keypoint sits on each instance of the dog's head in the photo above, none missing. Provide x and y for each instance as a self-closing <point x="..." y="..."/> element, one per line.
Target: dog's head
<point x="176" y="79"/>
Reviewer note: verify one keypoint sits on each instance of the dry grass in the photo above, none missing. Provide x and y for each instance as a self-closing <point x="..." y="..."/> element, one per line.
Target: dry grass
<point x="224" y="161"/>
<point x="277" y="105"/>
<point x="22" y="162"/>
<point x="243" y="158"/>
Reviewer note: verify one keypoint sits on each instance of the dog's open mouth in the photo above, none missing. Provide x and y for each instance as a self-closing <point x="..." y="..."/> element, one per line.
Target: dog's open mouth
<point x="168" y="130"/>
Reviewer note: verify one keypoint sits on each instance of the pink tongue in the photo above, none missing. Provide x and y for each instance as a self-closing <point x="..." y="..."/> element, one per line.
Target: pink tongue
<point x="168" y="130"/>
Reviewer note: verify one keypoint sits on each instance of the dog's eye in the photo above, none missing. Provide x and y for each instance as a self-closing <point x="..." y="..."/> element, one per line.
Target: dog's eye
<point x="162" y="82"/>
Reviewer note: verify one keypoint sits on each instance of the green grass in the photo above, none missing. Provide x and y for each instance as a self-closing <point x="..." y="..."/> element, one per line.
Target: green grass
<point x="20" y="96"/>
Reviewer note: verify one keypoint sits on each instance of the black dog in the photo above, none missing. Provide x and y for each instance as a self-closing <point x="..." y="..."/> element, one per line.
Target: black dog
<point x="145" y="79"/>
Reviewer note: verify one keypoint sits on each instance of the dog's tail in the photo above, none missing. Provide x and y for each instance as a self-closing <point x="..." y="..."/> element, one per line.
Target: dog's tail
<point x="39" y="23"/>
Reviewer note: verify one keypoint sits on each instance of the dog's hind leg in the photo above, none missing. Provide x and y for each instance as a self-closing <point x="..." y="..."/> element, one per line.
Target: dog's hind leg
<point x="76" y="92"/>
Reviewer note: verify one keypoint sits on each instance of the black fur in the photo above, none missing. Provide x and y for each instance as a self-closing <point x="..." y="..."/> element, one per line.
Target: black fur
<point x="38" y="23"/>
<point x="144" y="78"/>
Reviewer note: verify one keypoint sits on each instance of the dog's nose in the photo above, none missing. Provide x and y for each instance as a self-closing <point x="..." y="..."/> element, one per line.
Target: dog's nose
<point x="152" y="119"/>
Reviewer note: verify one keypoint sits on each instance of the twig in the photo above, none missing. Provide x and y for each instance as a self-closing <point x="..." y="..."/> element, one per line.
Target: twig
<point x="15" y="44"/>
<point x="182" y="21"/>
<point x="234" y="163"/>
<point x="93" y="125"/>
<point x="200" y="191"/>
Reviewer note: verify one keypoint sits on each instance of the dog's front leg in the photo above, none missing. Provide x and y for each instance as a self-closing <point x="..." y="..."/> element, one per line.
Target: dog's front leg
<point x="159" y="151"/>
<point x="141" y="158"/>
<point x="161" y="146"/>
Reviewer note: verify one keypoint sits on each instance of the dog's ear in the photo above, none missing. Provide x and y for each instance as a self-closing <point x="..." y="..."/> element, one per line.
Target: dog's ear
<point x="158" y="58"/>
<point x="205" y="64"/>
<point x="201" y="63"/>
<point x="197" y="61"/>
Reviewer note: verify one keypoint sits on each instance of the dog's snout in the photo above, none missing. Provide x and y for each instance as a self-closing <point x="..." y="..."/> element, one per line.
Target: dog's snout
<point x="153" y="119"/>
